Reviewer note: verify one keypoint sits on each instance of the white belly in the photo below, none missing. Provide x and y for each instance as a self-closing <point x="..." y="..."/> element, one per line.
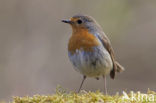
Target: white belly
<point x="92" y="64"/>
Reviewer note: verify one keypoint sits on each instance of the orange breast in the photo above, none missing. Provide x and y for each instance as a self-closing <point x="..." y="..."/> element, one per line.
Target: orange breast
<point x="82" y="39"/>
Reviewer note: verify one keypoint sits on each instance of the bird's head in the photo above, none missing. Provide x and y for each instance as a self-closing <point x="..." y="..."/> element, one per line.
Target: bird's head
<point x="79" y="22"/>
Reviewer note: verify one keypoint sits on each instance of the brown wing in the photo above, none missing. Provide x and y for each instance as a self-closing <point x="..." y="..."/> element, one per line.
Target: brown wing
<point x="105" y="41"/>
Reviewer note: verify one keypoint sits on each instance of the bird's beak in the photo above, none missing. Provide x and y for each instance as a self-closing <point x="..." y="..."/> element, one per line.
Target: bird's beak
<point x="67" y="21"/>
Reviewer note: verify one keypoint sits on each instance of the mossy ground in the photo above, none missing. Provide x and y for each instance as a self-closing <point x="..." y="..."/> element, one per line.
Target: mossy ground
<point x="89" y="97"/>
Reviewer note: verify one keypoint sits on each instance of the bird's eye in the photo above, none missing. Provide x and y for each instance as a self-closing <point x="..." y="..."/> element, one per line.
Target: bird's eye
<point x="79" y="21"/>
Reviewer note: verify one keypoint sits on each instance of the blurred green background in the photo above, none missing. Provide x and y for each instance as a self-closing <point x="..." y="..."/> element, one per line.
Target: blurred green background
<point x="33" y="45"/>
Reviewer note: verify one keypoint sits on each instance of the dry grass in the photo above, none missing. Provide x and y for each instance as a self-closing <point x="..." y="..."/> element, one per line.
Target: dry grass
<point x="62" y="96"/>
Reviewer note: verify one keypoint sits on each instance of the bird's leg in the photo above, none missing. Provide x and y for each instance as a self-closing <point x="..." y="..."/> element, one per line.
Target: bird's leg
<point x="84" y="77"/>
<point x="105" y="85"/>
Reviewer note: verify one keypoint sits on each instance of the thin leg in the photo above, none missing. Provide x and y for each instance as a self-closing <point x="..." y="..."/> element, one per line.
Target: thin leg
<point x="105" y="85"/>
<point x="84" y="77"/>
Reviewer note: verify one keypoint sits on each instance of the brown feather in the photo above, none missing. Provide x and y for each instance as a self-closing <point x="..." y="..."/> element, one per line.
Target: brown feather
<point x="116" y="66"/>
<point x="120" y="68"/>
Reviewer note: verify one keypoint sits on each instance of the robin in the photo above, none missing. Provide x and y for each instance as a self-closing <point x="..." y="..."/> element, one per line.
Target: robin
<point x="90" y="50"/>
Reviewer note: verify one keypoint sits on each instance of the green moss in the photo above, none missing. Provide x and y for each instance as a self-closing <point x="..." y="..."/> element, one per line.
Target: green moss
<point x="89" y="97"/>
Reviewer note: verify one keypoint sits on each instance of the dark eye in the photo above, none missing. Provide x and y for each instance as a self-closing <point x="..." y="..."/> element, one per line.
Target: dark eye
<point x="79" y="21"/>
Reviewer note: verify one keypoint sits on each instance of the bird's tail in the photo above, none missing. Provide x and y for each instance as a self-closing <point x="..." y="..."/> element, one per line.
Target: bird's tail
<point x="120" y="68"/>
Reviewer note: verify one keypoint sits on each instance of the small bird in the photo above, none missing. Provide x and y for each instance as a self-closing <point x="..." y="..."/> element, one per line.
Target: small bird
<point x="90" y="50"/>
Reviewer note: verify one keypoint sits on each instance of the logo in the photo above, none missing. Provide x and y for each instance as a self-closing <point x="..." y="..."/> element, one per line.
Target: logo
<point x="140" y="97"/>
